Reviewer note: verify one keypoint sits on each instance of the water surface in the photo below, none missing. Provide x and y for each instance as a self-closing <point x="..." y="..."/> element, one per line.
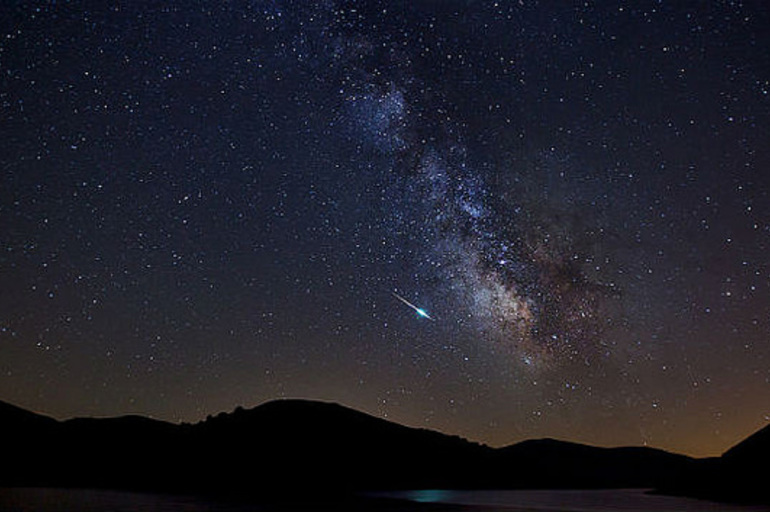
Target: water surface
<point x="89" y="500"/>
<point x="430" y="500"/>
<point x="613" y="500"/>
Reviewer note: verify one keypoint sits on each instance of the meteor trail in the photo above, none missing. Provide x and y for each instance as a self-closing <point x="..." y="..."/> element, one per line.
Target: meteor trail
<point x="419" y="311"/>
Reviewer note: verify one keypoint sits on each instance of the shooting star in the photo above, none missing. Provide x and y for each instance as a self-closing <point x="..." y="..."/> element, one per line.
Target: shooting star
<point x="419" y="311"/>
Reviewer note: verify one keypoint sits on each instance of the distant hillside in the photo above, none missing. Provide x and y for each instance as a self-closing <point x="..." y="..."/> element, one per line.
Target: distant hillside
<point x="756" y="447"/>
<point x="549" y="463"/>
<point x="327" y="446"/>
<point x="281" y="444"/>
<point x="279" y="447"/>
<point x="739" y="475"/>
<point x="16" y="420"/>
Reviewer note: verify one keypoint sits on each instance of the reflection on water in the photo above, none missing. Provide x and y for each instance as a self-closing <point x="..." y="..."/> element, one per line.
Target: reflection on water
<point x="429" y="500"/>
<point x="613" y="500"/>
<point x="429" y="496"/>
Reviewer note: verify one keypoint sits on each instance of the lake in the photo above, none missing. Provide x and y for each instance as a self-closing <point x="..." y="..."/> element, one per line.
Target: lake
<point x="613" y="500"/>
<point x="87" y="500"/>
<point x="628" y="500"/>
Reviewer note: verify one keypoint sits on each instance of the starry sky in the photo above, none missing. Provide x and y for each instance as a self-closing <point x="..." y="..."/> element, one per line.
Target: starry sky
<point x="210" y="204"/>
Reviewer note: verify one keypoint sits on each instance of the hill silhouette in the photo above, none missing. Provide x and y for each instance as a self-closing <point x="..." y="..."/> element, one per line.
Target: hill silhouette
<point x="745" y="465"/>
<point x="739" y="475"/>
<point x="277" y="448"/>
<point x="549" y="463"/>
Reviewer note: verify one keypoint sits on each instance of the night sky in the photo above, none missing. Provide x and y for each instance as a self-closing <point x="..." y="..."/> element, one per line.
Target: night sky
<point x="501" y="220"/>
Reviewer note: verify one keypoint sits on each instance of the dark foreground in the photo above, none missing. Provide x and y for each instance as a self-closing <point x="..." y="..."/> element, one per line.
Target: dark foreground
<point x="627" y="500"/>
<point x="328" y="450"/>
<point x="99" y="500"/>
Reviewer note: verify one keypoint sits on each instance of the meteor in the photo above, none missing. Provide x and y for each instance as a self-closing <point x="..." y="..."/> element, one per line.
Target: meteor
<point x="419" y="311"/>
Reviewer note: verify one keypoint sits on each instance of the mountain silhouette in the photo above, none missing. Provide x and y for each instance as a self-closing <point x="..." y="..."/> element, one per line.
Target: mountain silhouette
<point x="17" y="421"/>
<point x="284" y="447"/>
<point x="549" y="463"/>
<point x="327" y="446"/>
<point x="271" y="448"/>
<point x="745" y="467"/>
<point x="739" y="475"/>
<point x="754" y="448"/>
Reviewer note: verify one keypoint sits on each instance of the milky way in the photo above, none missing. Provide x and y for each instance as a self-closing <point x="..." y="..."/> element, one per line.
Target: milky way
<point x="513" y="280"/>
